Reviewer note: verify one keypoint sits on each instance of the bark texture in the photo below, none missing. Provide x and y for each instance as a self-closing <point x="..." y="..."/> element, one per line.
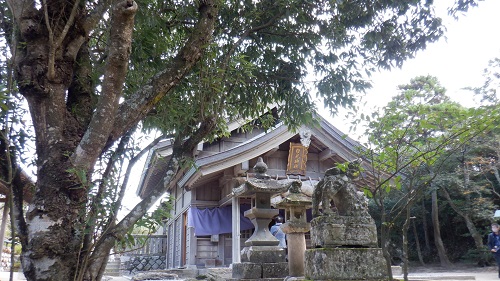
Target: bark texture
<point x="443" y="257"/>
<point x="74" y="126"/>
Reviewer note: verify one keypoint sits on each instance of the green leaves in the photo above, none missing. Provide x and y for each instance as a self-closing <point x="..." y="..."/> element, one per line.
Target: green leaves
<point x="367" y="192"/>
<point x="419" y="135"/>
<point x="82" y="176"/>
<point x="152" y="221"/>
<point x="263" y="51"/>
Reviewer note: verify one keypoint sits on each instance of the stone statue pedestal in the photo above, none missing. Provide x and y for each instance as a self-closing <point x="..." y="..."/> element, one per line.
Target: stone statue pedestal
<point x="345" y="241"/>
<point x="345" y="264"/>
<point x="334" y="231"/>
<point x="345" y="249"/>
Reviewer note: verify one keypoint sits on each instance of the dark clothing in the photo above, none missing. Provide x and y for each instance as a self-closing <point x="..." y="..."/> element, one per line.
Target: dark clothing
<point x="494" y="243"/>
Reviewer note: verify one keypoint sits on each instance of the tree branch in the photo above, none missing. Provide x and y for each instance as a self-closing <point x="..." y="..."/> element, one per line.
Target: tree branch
<point x="450" y="201"/>
<point x="141" y="102"/>
<point x="55" y="43"/>
<point x="20" y="7"/>
<point x="100" y="126"/>
<point x="131" y="164"/>
<point x="181" y="149"/>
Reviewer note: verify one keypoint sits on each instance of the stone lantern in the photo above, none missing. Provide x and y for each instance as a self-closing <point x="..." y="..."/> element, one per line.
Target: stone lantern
<point x="262" y="258"/>
<point x="295" y="205"/>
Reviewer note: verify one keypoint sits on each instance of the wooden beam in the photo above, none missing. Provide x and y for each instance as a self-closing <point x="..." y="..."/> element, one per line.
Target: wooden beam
<point x="224" y="179"/>
<point x="271" y="152"/>
<point x="241" y="169"/>
<point x="205" y="203"/>
<point x="326" y="154"/>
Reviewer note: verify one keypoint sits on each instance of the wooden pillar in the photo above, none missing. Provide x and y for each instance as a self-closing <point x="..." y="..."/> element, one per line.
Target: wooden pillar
<point x="236" y="256"/>
<point x="191" y="257"/>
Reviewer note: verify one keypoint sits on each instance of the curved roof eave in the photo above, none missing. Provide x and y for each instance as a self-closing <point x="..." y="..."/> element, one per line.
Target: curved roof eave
<point x="153" y="153"/>
<point x="243" y="152"/>
<point x="260" y="144"/>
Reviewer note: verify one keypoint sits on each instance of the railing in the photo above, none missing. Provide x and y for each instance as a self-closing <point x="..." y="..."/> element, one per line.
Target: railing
<point x="147" y="245"/>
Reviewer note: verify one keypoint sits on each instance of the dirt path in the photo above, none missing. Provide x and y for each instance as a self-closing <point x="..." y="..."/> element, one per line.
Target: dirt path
<point x="457" y="272"/>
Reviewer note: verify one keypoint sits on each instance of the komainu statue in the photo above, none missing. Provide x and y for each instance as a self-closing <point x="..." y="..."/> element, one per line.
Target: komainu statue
<point x="337" y="186"/>
<point x="343" y="235"/>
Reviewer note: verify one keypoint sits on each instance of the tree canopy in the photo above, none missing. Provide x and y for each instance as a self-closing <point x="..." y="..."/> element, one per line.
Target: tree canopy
<point x="422" y="143"/>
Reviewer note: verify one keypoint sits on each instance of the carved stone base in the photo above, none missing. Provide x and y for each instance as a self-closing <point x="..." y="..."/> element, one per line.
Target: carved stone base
<point x="333" y="231"/>
<point x="344" y="264"/>
<point x="263" y="254"/>
<point x="259" y="271"/>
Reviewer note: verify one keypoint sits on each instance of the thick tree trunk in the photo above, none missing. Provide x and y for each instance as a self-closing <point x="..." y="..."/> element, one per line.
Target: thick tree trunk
<point x="55" y="226"/>
<point x="443" y="258"/>
<point x="72" y="131"/>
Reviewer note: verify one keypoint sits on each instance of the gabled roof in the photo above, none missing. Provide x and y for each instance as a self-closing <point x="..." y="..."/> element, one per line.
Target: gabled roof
<point x="333" y="143"/>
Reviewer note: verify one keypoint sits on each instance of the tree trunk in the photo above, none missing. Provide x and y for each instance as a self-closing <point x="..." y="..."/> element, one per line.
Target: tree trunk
<point x="417" y="244"/>
<point x="425" y="226"/>
<point x="476" y="236"/>
<point x="72" y="132"/>
<point x="384" y="238"/>
<point x="55" y="224"/>
<point x="443" y="258"/>
<point x="406" y="226"/>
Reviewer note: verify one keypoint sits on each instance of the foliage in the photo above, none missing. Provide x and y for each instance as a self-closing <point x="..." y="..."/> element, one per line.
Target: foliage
<point x="418" y="126"/>
<point x="276" y="42"/>
<point x="422" y="142"/>
<point x="488" y="92"/>
<point x="152" y="221"/>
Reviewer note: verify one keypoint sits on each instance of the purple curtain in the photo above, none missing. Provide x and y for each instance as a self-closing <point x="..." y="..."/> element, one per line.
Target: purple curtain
<point x="216" y="220"/>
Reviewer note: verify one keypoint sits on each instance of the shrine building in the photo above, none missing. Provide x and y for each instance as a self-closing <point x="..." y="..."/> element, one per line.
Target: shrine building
<point x="206" y="215"/>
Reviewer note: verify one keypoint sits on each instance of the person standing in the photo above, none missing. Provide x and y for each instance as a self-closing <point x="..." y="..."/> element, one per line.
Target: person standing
<point x="494" y="243"/>
<point x="277" y="232"/>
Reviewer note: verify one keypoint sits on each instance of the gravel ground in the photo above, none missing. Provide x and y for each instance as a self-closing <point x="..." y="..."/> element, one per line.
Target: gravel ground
<point x="459" y="272"/>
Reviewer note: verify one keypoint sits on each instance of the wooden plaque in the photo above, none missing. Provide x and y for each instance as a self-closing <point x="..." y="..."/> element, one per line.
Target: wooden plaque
<point x="297" y="159"/>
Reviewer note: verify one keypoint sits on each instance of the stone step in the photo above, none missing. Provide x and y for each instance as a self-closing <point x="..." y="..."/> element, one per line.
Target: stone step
<point x="112" y="268"/>
<point x="112" y="273"/>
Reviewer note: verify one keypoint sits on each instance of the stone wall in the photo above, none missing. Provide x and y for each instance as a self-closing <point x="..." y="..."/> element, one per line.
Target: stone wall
<point x="145" y="263"/>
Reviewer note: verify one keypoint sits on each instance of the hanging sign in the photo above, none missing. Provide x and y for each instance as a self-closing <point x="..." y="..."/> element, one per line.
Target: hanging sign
<point x="297" y="159"/>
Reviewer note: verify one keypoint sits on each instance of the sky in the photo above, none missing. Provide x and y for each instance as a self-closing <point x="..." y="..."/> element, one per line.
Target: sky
<point x="458" y="60"/>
